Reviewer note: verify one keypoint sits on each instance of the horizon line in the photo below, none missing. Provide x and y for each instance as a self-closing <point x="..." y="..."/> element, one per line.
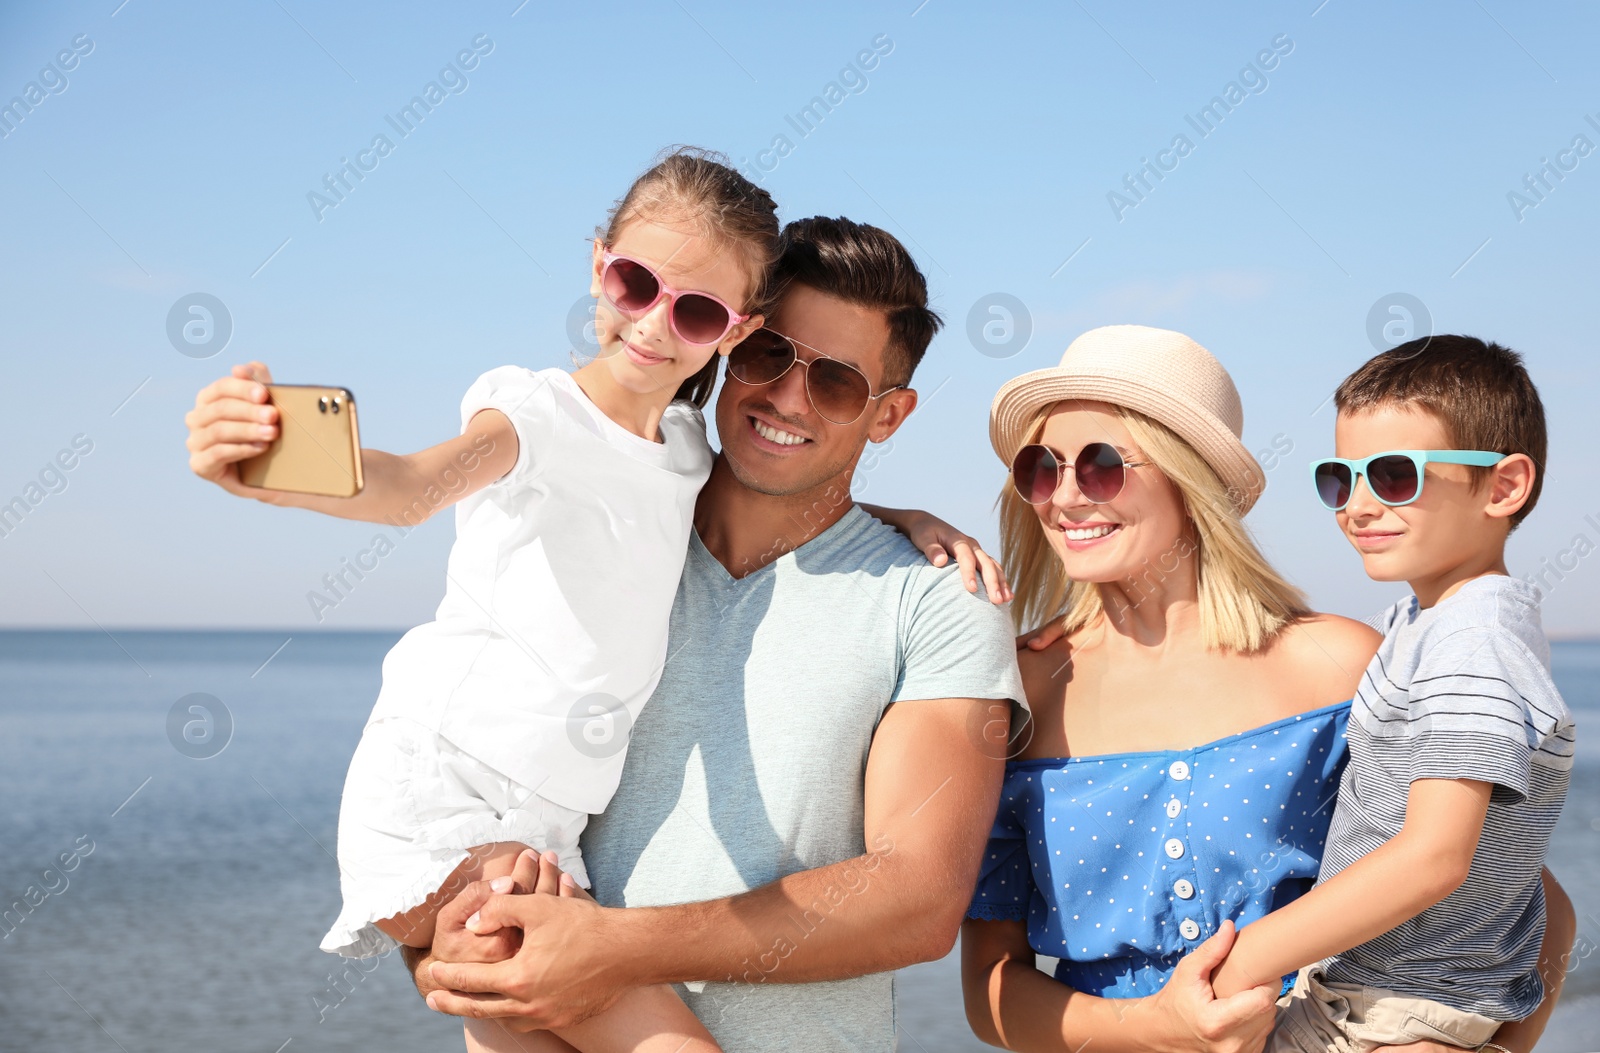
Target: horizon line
<point x="1560" y="637"/>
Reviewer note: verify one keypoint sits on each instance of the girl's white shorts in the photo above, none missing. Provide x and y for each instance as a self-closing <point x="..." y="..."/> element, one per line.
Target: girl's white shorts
<point x="413" y="805"/>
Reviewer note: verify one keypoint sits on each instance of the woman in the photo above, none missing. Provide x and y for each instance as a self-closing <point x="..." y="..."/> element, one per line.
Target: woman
<point x="1189" y="713"/>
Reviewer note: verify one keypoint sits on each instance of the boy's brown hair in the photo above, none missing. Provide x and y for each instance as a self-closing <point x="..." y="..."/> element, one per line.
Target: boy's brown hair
<point x="1480" y="392"/>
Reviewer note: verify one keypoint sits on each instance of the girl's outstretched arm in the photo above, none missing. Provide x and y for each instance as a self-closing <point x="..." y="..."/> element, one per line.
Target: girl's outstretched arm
<point x="232" y="421"/>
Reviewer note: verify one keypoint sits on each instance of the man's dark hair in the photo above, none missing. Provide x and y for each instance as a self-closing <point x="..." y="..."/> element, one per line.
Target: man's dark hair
<point x="866" y="266"/>
<point x="1480" y="392"/>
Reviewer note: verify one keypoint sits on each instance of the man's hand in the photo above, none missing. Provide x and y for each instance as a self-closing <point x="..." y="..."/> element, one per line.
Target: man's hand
<point x="1196" y="1019"/>
<point x="454" y="942"/>
<point x="1043" y="636"/>
<point x="567" y="969"/>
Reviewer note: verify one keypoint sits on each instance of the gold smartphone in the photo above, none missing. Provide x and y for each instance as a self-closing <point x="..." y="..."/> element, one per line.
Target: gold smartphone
<point x="318" y="448"/>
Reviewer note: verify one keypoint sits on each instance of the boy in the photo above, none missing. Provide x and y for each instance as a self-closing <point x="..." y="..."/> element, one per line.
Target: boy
<point x="1428" y="913"/>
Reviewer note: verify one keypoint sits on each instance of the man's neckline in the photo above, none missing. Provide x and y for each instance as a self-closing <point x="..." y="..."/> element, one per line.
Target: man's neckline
<point x="699" y="551"/>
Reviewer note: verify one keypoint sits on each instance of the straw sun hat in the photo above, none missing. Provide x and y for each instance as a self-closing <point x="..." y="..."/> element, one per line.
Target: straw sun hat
<point x="1162" y="374"/>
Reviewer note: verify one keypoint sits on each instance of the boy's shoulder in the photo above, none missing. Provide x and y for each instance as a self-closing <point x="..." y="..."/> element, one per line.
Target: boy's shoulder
<point x="1495" y="607"/>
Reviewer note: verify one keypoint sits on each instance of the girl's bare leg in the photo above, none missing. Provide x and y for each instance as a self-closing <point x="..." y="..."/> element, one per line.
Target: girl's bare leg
<point x="646" y="1020"/>
<point x="491" y="1036"/>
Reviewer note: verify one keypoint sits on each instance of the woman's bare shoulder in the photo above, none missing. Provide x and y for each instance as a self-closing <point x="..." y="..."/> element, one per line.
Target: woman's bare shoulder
<point x="1328" y="648"/>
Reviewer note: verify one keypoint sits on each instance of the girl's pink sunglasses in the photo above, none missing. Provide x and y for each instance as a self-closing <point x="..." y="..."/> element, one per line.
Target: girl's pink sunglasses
<point x="633" y="288"/>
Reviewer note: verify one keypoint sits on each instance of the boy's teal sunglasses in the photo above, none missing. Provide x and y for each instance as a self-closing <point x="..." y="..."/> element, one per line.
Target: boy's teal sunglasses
<point x="1395" y="477"/>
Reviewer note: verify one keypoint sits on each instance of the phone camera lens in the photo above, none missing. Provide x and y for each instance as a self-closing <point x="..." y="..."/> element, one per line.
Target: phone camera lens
<point x="336" y="401"/>
<point x="322" y="404"/>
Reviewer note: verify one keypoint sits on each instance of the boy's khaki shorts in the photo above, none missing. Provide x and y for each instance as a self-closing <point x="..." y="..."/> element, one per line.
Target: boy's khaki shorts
<point x="1319" y="1016"/>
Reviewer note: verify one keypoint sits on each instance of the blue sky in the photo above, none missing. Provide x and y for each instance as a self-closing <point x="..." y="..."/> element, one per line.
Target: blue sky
<point x="1376" y="156"/>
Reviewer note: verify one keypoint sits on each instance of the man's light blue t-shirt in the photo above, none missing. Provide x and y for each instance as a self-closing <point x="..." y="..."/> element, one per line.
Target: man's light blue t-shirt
<point x="748" y="762"/>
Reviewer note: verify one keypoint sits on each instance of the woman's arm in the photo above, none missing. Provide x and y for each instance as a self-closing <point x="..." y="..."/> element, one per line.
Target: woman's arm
<point x="938" y="539"/>
<point x="1560" y="929"/>
<point x="1011" y="1004"/>
<point x="232" y="421"/>
<point x="1426" y="861"/>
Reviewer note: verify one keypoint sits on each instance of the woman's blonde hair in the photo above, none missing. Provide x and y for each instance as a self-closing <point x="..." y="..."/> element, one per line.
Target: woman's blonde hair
<point x="1244" y="602"/>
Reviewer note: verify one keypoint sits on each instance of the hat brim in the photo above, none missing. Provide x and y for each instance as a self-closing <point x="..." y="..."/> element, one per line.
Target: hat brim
<point x="1019" y="399"/>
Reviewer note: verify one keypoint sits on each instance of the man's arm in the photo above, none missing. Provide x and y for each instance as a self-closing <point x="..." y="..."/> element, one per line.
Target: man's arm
<point x="931" y="795"/>
<point x="1426" y="861"/>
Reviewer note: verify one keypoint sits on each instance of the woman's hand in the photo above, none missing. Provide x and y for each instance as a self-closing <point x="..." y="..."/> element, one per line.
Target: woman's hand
<point x="938" y="540"/>
<point x="231" y="422"/>
<point x="1192" y="1018"/>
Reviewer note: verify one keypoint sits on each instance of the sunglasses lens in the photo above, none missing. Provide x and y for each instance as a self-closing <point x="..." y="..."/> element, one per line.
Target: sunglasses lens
<point x="700" y="319"/>
<point x="839" y="392"/>
<point x="1100" y="471"/>
<point x="760" y="358"/>
<point x="630" y="285"/>
<point x="1333" y="484"/>
<point x="1035" y="472"/>
<point x="1393" y="479"/>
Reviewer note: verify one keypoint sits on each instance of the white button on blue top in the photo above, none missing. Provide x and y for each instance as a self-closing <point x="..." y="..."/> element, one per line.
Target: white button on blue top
<point x="1174" y="848"/>
<point x="1174" y="806"/>
<point x="1184" y="888"/>
<point x="1189" y="928"/>
<point x="1179" y="770"/>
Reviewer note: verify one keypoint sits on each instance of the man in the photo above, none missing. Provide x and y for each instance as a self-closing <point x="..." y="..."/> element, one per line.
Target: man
<point x="809" y="789"/>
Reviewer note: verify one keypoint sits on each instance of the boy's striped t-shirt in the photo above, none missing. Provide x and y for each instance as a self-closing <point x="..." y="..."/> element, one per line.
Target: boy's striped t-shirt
<point x="1460" y="690"/>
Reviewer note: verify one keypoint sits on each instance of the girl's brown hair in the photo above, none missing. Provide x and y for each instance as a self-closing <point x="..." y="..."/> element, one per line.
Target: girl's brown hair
<point x="700" y="188"/>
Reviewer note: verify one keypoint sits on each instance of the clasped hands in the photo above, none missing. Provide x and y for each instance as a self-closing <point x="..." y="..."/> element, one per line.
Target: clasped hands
<point x="532" y="949"/>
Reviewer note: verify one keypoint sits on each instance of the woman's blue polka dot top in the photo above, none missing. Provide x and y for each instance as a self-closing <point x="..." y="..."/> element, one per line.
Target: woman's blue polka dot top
<point x="1123" y="863"/>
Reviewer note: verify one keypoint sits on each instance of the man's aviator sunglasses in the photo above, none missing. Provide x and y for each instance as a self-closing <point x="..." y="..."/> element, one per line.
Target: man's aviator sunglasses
<point x="634" y="288"/>
<point x="1394" y="477"/>
<point x="838" y="391"/>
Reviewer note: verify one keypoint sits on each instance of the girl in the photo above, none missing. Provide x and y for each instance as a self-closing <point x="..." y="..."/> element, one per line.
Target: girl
<point x="502" y="724"/>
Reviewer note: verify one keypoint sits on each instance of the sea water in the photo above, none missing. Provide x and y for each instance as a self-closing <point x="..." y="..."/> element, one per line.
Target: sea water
<point x="168" y="802"/>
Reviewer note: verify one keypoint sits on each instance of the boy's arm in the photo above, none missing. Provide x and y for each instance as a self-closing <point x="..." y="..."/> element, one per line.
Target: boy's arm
<point x="901" y="902"/>
<point x="232" y="421"/>
<point x="1426" y="861"/>
<point x="938" y="540"/>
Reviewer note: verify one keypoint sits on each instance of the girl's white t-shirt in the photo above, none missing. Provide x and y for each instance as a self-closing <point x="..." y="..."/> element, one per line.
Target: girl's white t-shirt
<point x="553" y="628"/>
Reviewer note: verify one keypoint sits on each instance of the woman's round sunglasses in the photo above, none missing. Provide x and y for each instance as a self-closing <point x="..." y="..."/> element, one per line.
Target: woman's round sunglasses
<point x="838" y="391"/>
<point x="1394" y="477"/>
<point x="696" y="317"/>
<point x="1101" y="472"/>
